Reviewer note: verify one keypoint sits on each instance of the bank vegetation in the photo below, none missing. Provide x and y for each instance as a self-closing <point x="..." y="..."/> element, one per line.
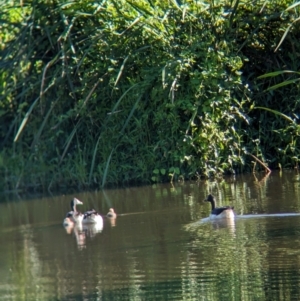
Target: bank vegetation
<point x="117" y="92"/>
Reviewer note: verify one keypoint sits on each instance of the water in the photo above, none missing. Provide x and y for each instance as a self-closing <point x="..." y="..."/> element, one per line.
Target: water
<point x="160" y="247"/>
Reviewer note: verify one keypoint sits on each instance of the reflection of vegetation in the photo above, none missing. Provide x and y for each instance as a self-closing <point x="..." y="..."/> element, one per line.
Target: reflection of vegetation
<point x="25" y="267"/>
<point x="154" y="251"/>
<point x="231" y="264"/>
<point x="111" y="92"/>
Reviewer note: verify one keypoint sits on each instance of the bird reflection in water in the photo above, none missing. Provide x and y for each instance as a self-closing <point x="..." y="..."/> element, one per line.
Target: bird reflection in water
<point x="92" y="230"/>
<point x="81" y="232"/>
<point x="228" y="223"/>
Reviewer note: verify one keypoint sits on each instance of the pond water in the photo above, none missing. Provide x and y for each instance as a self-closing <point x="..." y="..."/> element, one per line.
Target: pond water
<point x="160" y="247"/>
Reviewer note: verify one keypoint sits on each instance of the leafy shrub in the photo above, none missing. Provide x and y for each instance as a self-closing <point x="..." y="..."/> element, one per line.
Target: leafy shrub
<point x="115" y="92"/>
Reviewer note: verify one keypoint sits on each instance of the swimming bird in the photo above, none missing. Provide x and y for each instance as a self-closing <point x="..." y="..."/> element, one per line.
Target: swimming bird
<point x="111" y="213"/>
<point x="219" y="212"/>
<point x="73" y="215"/>
<point x="92" y="217"/>
<point x="68" y="222"/>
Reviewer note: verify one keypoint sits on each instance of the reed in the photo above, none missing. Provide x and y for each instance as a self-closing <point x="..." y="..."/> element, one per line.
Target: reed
<point x="126" y="91"/>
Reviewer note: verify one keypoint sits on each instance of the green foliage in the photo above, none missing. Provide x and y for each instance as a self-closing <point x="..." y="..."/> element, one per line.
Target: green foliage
<point x="111" y="92"/>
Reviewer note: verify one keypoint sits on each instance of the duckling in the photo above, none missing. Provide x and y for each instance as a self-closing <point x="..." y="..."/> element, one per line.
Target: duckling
<point x="220" y="212"/>
<point x="70" y="226"/>
<point x="111" y="213"/>
<point x="68" y="222"/>
<point x="74" y="215"/>
<point x="92" y="217"/>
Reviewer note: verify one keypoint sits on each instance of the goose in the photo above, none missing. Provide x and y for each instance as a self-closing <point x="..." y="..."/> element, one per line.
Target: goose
<point x="73" y="216"/>
<point x="111" y="213"/>
<point x="92" y="217"/>
<point x="219" y="212"/>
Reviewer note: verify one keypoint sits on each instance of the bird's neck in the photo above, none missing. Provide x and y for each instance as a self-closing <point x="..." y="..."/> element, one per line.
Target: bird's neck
<point x="213" y="204"/>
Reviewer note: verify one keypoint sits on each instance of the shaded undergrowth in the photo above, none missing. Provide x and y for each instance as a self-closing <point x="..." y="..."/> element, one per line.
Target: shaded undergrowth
<point x="94" y="94"/>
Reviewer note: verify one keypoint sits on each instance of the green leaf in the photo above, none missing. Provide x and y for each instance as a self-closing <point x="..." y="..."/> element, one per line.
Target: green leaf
<point x="275" y="73"/>
<point x="285" y="83"/>
<point x="162" y="171"/>
<point x="276" y="113"/>
<point x="156" y="171"/>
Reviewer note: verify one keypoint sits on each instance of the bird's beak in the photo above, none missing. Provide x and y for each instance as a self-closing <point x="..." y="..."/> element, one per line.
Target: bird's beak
<point x="79" y="202"/>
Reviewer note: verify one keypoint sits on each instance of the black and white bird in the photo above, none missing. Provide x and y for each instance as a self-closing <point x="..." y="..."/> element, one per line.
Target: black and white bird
<point x="73" y="216"/>
<point x="219" y="212"/>
<point x="92" y="217"/>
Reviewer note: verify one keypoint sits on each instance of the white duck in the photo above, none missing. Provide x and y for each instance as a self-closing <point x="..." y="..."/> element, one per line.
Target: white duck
<point x="73" y="216"/>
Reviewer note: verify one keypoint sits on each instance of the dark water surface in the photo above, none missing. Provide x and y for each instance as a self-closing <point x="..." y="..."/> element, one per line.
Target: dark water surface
<point x="160" y="247"/>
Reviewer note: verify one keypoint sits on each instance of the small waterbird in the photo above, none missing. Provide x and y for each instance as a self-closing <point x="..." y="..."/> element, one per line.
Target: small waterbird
<point x="111" y="213"/>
